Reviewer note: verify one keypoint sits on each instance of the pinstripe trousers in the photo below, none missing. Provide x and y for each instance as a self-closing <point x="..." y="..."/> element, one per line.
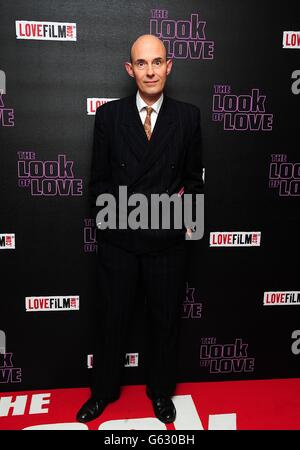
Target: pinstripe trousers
<point x="163" y="278"/>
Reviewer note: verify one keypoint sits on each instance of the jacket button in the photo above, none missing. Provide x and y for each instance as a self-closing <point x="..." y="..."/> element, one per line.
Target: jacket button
<point x="167" y="191"/>
<point x="172" y="166"/>
<point x="123" y="164"/>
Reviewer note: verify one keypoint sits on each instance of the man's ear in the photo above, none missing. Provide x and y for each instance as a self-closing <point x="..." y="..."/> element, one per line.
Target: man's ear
<point x="169" y="65"/>
<point x="129" y="70"/>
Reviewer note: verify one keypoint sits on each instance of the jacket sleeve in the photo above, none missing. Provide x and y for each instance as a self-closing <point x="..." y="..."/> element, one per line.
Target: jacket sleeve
<point x="100" y="174"/>
<point x="193" y="168"/>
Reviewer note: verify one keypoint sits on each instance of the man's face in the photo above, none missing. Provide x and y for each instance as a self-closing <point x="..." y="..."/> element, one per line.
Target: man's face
<point x="149" y="67"/>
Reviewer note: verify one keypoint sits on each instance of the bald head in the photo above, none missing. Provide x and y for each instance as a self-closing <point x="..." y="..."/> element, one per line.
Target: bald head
<point x="145" y="44"/>
<point x="149" y="67"/>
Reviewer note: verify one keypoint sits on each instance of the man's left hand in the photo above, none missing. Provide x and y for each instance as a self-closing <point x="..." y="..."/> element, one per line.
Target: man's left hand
<point x="189" y="232"/>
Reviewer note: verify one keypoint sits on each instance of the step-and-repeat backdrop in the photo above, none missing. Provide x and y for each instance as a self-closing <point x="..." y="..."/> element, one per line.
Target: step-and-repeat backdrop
<point x="239" y="63"/>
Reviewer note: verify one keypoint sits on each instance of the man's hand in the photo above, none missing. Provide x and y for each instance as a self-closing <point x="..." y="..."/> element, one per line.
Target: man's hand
<point x="189" y="232"/>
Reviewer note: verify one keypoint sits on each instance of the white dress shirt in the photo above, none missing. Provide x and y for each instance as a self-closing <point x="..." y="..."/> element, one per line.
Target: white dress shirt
<point x="141" y="106"/>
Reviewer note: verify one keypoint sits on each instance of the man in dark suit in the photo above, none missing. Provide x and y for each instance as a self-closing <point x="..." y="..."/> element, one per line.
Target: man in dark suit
<point x="149" y="144"/>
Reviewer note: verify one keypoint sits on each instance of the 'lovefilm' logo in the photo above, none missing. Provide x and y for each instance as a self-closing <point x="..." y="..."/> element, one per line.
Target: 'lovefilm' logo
<point x="284" y="176"/>
<point x="59" y="303"/>
<point x="183" y="38"/>
<point x="191" y="308"/>
<point x="7" y="241"/>
<point x="93" y="103"/>
<point x="89" y="236"/>
<point x="235" y="239"/>
<point x="225" y="358"/>
<point x="278" y="298"/>
<point x="240" y="112"/>
<point x="48" y="178"/>
<point x="130" y="360"/>
<point x="291" y="39"/>
<point x="46" y="31"/>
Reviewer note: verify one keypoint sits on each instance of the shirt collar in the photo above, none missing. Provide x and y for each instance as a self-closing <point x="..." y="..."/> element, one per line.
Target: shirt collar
<point x="141" y="104"/>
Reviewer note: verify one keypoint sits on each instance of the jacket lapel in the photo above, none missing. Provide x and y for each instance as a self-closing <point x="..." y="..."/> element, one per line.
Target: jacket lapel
<point x="133" y="130"/>
<point x="147" y="152"/>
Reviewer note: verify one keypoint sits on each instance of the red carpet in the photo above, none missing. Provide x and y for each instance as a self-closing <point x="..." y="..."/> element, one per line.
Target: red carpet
<point x="238" y="405"/>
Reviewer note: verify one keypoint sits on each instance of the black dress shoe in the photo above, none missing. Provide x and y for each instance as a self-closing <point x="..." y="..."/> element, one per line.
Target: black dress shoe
<point x="164" y="409"/>
<point x="92" y="409"/>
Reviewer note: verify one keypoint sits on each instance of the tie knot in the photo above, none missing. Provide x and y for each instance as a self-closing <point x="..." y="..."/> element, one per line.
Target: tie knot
<point x="149" y="110"/>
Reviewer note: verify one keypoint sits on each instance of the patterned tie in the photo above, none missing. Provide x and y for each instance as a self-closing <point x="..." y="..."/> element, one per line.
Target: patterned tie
<point x="147" y="123"/>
